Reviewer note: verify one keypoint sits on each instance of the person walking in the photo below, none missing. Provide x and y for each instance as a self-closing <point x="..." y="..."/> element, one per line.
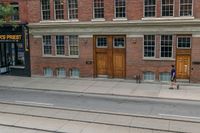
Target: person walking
<point x="173" y="78"/>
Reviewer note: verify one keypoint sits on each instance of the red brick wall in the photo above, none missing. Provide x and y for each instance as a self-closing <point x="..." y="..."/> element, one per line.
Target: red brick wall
<point x="195" y="72"/>
<point x="38" y="62"/>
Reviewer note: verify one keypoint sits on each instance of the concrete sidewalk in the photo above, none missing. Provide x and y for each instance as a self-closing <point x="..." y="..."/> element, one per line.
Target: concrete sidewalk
<point x="108" y="87"/>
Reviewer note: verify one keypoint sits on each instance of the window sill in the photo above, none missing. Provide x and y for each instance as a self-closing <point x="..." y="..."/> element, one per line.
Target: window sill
<point x="51" y="56"/>
<point x="59" y="21"/>
<point x="167" y="18"/>
<point x="158" y="59"/>
<point x="98" y="20"/>
<point x="120" y="19"/>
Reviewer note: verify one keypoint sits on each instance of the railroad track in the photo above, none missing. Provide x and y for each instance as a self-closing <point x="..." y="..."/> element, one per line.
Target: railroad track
<point x="61" y="120"/>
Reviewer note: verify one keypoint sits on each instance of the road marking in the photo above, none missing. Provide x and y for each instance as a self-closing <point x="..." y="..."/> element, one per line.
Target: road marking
<point x="34" y="103"/>
<point x="181" y="116"/>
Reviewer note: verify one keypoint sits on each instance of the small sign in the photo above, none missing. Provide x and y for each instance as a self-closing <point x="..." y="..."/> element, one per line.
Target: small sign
<point x="88" y="62"/>
<point x="196" y="62"/>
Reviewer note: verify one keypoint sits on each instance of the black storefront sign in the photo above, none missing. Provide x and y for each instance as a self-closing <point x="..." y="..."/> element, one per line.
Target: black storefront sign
<point x="14" y="53"/>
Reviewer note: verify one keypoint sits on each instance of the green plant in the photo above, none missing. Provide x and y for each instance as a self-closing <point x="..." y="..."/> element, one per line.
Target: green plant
<point x="6" y="12"/>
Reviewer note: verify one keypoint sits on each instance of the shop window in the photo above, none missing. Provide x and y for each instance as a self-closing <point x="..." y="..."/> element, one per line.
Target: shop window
<point x="165" y="76"/>
<point x="74" y="73"/>
<point x="184" y="42"/>
<point x="45" y="5"/>
<point x="120" y="8"/>
<point x="73" y="9"/>
<point x="167" y="8"/>
<point x="17" y="54"/>
<point x="166" y="46"/>
<point x="73" y="45"/>
<point x="150" y="8"/>
<point x="186" y="7"/>
<point x="149" y="45"/>
<point x="61" y="72"/>
<point x="119" y="42"/>
<point x="149" y="76"/>
<point x="101" y="42"/>
<point x="98" y="8"/>
<point x="48" y="72"/>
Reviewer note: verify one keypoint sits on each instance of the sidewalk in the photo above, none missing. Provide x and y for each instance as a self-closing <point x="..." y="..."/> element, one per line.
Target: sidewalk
<point x="126" y="88"/>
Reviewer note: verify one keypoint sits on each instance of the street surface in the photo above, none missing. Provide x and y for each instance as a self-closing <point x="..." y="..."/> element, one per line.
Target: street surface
<point x="37" y="111"/>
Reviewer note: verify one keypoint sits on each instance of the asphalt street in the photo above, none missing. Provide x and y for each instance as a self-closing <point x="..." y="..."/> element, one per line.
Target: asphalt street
<point x="140" y="106"/>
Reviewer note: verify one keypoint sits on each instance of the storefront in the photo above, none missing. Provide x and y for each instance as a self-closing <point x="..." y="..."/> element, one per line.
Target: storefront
<point x="14" y="51"/>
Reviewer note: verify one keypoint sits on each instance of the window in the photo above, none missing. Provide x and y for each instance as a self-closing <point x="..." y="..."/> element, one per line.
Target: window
<point x="185" y="7"/>
<point x="59" y="9"/>
<point x="119" y="42"/>
<point x="73" y="45"/>
<point x="120" y="8"/>
<point x="98" y="8"/>
<point x="73" y="9"/>
<point x="15" y="6"/>
<point x="48" y="72"/>
<point x="164" y="76"/>
<point x="74" y="73"/>
<point x="150" y="8"/>
<point x="60" y="47"/>
<point x="47" y="45"/>
<point x="61" y="72"/>
<point x="150" y="76"/>
<point x="149" y="46"/>
<point x="184" y="42"/>
<point x="45" y="9"/>
<point x="166" y="46"/>
<point x="101" y="42"/>
<point x="167" y="7"/>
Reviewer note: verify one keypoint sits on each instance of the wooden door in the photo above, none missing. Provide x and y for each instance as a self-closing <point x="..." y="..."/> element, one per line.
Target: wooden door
<point x="183" y="66"/>
<point x="109" y="55"/>
<point x="119" y="56"/>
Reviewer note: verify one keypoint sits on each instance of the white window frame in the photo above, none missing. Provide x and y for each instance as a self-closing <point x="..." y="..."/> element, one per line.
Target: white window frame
<point x="42" y="11"/>
<point x="78" y="45"/>
<point x="56" y="47"/>
<point x="154" y="48"/>
<point x="180" y="9"/>
<point x="94" y="10"/>
<point x="144" y="10"/>
<point x="71" y="71"/>
<point x="55" y="11"/>
<point x="101" y="46"/>
<point x="185" y="37"/>
<point x="44" y="45"/>
<point x="46" y="73"/>
<point x="161" y="46"/>
<point x="173" y="9"/>
<point x="68" y="11"/>
<point x="57" y="72"/>
<point x="164" y="75"/>
<point x="115" y="10"/>
<point x="119" y="37"/>
<point x="154" y="76"/>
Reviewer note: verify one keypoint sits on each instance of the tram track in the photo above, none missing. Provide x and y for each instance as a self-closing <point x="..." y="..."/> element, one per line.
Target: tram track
<point x="96" y="117"/>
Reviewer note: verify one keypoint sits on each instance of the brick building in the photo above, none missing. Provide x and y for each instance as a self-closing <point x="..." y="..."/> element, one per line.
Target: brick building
<point x="14" y="41"/>
<point x="115" y="38"/>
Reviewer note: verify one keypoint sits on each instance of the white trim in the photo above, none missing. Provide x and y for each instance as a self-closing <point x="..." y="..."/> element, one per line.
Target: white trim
<point x="77" y="44"/>
<point x="198" y="35"/>
<point x="56" y="46"/>
<point x="159" y="59"/>
<point x="168" y="18"/>
<point x="85" y="36"/>
<point x="101" y="46"/>
<point x="135" y="36"/>
<point x="120" y="19"/>
<point x="123" y="18"/>
<point x="98" y="19"/>
<point x="114" y="42"/>
<point x="62" y="56"/>
<point x="37" y="36"/>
